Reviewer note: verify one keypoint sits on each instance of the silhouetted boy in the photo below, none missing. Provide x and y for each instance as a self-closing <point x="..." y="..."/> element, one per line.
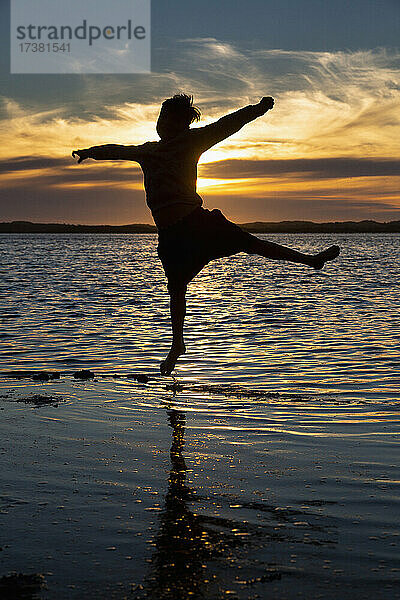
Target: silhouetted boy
<point x="189" y="236"/>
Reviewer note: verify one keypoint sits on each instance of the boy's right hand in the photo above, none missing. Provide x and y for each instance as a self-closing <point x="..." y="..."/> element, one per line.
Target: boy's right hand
<point x="267" y="103"/>
<point x="83" y="154"/>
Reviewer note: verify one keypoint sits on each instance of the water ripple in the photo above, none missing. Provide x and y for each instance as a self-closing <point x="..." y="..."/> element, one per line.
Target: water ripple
<point x="100" y="300"/>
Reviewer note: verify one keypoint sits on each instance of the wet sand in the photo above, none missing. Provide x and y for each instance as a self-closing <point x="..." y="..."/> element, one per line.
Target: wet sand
<point x="112" y="488"/>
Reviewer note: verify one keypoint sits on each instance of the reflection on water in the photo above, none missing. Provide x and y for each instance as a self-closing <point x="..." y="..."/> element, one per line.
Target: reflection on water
<point x="199" y="555"/>
<point x="181" y="544"/>
<point x="99" y="301"/>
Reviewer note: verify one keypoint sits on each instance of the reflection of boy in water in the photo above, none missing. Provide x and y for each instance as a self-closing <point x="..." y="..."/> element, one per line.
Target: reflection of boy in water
<point x="181" y="544"/>
<point x="189" y="235"/>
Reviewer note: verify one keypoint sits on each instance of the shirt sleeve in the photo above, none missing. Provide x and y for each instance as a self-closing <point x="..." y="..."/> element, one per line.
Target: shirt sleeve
<point x="116" y="152"/>
<point x="205" y="137"/>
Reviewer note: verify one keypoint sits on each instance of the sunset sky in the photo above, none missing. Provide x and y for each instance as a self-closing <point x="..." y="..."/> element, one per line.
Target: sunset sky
<point x="330" y="149"/>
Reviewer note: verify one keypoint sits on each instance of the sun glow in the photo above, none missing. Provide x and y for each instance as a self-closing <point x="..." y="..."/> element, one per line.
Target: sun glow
<point x="211" y="184"/>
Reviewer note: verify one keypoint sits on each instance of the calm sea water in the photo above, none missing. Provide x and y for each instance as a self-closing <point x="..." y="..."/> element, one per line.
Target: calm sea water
<point x="99" y="301"/>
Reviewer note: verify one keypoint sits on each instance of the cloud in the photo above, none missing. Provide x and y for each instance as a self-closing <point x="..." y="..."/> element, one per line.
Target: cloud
<point x="44" y="172"/>
<point x="52" y="134"/>
<point x="327" y="103"/>
<point x="320" y="168"/>
<point x="23" y="163"/>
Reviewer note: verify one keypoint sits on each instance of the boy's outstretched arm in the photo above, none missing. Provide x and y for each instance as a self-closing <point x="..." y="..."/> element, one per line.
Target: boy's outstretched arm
<point x="225" y="126"/>
<point x="108" y="152"/>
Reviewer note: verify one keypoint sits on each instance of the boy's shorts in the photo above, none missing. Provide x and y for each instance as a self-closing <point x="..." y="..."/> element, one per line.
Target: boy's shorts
<point x="187" y="246"/>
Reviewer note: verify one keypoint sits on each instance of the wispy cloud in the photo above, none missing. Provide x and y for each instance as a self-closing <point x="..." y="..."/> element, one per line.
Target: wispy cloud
<point x="320" y="168"/>
<point x="43" y="172"/>
<point x="341" y="104"/>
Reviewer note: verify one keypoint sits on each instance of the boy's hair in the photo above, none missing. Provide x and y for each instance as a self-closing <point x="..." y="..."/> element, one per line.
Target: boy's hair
<point x="183" y="104"/>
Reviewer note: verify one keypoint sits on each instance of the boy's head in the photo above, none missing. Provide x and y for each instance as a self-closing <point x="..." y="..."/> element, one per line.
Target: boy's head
<point x="176" y="114"/>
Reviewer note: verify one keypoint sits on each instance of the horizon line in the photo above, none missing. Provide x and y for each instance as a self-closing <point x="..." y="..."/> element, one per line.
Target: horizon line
<point x="365" y="226"/>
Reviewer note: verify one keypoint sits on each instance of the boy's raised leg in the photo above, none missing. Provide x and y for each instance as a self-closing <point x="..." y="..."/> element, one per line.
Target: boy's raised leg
<point x="278" y="252"/>
<point x="178" y="311"/>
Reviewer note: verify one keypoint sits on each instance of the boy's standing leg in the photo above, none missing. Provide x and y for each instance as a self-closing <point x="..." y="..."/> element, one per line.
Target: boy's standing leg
<point x="178" y="311"/>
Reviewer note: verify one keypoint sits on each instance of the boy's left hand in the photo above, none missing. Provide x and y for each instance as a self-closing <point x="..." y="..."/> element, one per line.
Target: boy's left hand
<point x="83" y="154"/>
<point x="267" y="103"/>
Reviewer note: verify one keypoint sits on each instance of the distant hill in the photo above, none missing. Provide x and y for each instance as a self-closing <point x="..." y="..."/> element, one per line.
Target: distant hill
<point x="28" y="227"/>
<point x="333" y="227"/>
<point x="257" y="227"/>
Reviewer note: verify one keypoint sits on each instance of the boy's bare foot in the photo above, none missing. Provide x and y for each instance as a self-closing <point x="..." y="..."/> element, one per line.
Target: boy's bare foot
<point x="168" y="365"/>
<point x="321" y="258"/>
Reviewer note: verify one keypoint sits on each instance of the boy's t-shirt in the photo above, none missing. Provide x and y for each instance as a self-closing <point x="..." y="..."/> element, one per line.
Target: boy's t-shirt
<point x="170" y="166"/>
